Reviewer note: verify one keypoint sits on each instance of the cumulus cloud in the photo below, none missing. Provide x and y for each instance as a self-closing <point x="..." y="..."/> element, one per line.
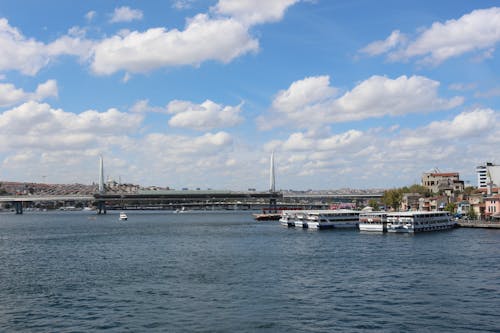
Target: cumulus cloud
<point x="221" y="35"/>
<point x="384" y="156"/>
<point x="125" y="14"/>
<point x="205" y="116"/>
<point x="203" y="39"/>
<point x="475" y="31"/>
<point x="28" y="55"/>
<point x="10" y="95"/>
<point x="34" y="125"/>
<point x="312" y="102"/>
<point x="383" y="46"/>
<point x="143" y="106"/>
<point x="254" y="11"/>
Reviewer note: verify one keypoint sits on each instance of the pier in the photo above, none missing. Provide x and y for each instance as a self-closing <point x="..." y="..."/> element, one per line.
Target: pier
<point x="478" y="224"/>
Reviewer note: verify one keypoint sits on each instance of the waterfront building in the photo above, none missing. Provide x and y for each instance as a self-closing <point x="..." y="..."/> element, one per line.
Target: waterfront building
<point x="446" y="182"/>
<point x="410" y="201"/>
<point x="432" y="203"/>
<point x="492" y="207"/>
<point x="488" y="173"/>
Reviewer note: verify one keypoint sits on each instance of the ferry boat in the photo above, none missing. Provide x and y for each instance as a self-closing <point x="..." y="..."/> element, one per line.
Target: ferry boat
<point x="373" y="221"/>
<point x="327" y="219"/>
<point x="123" y="216"/>
<point x="418" y="221"/>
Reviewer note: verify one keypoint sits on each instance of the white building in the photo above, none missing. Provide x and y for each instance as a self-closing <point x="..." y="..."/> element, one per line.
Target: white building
<point x="488" y="173"/>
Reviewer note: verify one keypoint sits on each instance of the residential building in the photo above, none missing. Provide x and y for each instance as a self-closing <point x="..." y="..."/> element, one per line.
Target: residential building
<point x="488" y="173"/>
<point x="410" y="201"/>
<point x="445" y="182"/>
<point x="432" y="203"/>
<point x="492" y="207"/>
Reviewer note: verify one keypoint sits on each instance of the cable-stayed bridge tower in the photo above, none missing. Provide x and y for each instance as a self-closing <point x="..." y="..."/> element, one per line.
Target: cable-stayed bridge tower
<point x="101" y="205"/>
<point x="272" y="183"/>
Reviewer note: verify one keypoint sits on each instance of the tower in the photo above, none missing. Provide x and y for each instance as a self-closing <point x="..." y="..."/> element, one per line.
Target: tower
<point x="272" y="177"/>
<point x="101" y="175"/>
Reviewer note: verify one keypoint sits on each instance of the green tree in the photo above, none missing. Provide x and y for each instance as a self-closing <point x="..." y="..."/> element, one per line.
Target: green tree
<point x="451" y="207"/>
<point x="392" y="198"/>
<point x="471" y="214"/>
<point x="373" y="203"/>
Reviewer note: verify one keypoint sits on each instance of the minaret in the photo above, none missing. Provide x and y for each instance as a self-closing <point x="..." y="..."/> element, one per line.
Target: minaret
<point x="272" y="178"/>
<point x="101" y="175"/>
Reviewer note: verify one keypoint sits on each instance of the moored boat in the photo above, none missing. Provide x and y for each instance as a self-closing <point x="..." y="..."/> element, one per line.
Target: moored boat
<point x="328" y="219"/>
<point x="418" y="221"/>
<point x="373" y="221"/>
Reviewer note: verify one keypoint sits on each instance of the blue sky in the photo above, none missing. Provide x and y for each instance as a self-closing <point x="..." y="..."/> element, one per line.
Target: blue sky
<point x="192" y="93"/>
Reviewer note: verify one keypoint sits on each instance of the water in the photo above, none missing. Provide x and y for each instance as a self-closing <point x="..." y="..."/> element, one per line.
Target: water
<point x="223" y="272"/>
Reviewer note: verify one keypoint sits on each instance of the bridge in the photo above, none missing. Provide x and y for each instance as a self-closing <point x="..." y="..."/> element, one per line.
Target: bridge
<point x="199" y="199"/>
<point x="170" y="199"/>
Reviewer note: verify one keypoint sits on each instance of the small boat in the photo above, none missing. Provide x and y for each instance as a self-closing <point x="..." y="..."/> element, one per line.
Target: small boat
<point x="123" y="216"/>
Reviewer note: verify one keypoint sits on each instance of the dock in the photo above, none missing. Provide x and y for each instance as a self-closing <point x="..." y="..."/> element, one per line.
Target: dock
<point x="478" y="224"/>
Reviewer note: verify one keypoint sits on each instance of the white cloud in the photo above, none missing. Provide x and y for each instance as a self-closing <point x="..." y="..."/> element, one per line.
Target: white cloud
<point x="379" y="96"/>
<point x="205" y="116"/>
<point x="35" y="125"/>
<point x="90" y="15"/>
<point x="10" y="95"/>
<point x="203" y="39"/>
<point x="28" y="55"/>
<point x="254" y="11"/>
<point x="493" y="92"/>
<point x="384" y="157"/>
<point x="126" y="14"/>
<point x="383" y="46"/>
<point x="312" y="102"/>
<point x="475" y="31"/>
<point x="302" y="93"/>
<point x="182" y="4"/>
<point x="142" y="106"/>
<point x="221" y="35"/>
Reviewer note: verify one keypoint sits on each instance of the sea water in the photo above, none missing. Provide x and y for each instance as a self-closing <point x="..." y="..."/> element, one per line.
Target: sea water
<point x="224" y="272"/>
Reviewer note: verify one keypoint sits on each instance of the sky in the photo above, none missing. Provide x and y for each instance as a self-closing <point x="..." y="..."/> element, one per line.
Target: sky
<point x="199" y="93"/>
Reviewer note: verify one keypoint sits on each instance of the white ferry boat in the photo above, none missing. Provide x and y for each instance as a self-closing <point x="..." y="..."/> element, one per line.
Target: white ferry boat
<point x="123" y="216"/>
<point x="325" y="219"/>
<point x="373" y="221"/>
<point x="410" y="222"/>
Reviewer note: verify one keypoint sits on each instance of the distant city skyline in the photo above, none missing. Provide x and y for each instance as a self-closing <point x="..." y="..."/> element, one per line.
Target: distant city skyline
<point x="198" y="94"/>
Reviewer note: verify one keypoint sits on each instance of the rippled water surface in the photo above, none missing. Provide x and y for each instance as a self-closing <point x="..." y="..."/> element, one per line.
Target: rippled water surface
<point x="223" y="272"/>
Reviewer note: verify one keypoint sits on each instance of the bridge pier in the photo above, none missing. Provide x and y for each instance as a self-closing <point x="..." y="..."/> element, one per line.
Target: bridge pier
<point x="101" y="207"/>
<point x="18" y="205"/>
<point x="273" y="208"/>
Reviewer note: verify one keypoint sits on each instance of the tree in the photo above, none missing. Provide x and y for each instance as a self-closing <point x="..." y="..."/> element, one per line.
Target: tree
<point x="392" y="198"/>
<point x="373" y="203"/>
<point x="451" y="207"/>
<point x="471" y="214"/>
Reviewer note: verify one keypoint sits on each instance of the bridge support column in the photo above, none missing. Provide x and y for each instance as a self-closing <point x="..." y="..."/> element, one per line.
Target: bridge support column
<point x="19" y="207"/>
<point x="272" y="206"/>
<point x="101" y="207"/>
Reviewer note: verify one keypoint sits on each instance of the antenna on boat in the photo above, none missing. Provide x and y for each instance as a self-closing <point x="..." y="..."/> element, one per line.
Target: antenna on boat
<point x="272" y="177"/>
